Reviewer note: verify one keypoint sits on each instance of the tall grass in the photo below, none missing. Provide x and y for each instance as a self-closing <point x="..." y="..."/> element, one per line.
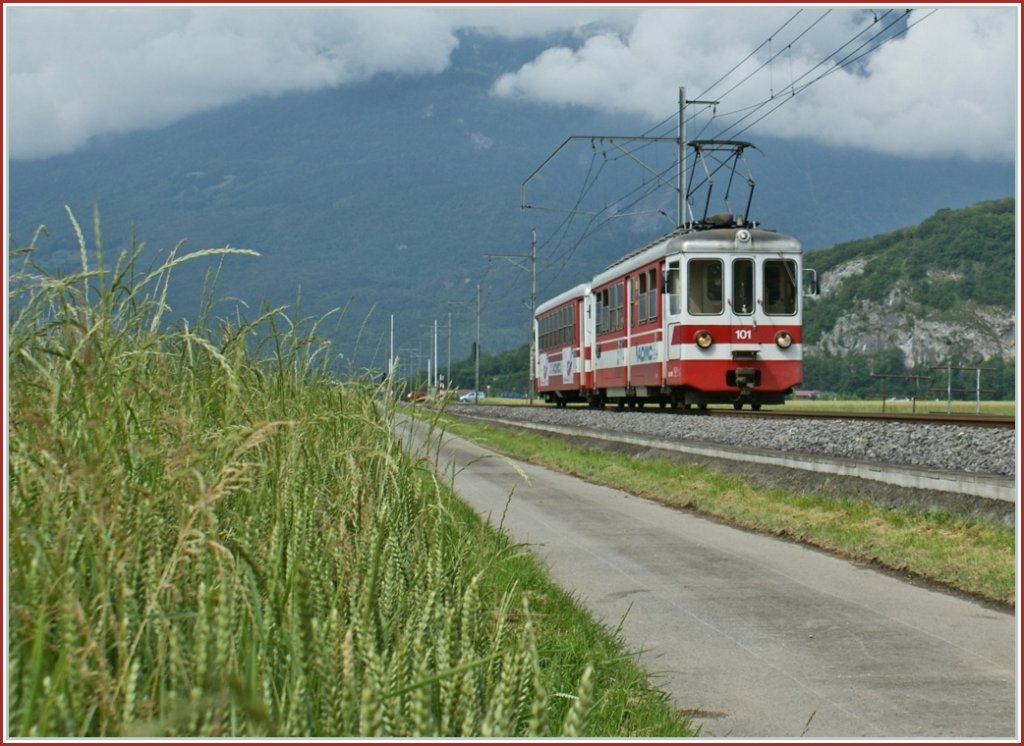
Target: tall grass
<point x="209" y="535"/>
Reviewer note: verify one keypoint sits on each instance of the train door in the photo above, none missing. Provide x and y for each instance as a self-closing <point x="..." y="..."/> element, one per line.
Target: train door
<point x="595" y="324"/>
<point x="741" y="303"/>
<point x="586" y="341"/>
<point x="672" y="319"/>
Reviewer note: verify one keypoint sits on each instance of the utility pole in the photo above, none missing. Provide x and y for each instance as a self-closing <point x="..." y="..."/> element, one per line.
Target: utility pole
<point x="448" y="371"/>
<point x="681" y="165"/>
<point x="476" y="351"/>
<point x="437" y="387"/>
<point x="681" y="145"/>
<point x="533" y="307"/>
<point x="432" y="369"/>
<point x="532" y="269"/>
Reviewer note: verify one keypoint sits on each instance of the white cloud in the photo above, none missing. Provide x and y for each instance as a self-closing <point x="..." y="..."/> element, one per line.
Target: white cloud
<point x="948" y="87"/>
<point x="78" y="72"/>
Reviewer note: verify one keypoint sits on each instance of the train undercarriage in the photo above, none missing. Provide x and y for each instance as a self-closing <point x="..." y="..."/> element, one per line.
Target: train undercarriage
<point x="681" y="398"/>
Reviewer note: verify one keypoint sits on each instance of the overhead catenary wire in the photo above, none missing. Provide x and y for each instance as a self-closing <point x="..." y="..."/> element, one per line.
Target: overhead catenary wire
<point x="694" y="114"/>
<point x="846" y="61"/>
<point x="772" y="102"/>
<point x="557" y="248"/>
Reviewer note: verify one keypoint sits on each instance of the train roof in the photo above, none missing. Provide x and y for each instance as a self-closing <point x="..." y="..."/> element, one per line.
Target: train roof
<point x="579" y="291"/>
<point x="742" y="237"/>
<point x="712" y="235"/>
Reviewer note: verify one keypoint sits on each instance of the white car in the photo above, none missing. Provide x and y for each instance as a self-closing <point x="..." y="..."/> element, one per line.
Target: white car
<point x="473" y="396"/>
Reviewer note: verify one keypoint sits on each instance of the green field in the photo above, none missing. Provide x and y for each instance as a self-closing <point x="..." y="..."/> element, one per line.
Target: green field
<point x="211" y="536"/>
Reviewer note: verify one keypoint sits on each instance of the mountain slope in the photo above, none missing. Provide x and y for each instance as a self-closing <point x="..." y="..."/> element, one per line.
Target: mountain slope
<point x="389" y="197"/>
<point x="939" y="291"/>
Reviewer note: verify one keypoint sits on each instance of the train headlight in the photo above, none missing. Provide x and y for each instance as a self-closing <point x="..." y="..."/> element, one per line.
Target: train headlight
<point x="703" y="339"/>
<point x="783" y="340"/>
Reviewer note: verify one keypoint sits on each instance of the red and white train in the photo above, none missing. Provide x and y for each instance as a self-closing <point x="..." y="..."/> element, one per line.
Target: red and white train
<point x="709" y="314"/>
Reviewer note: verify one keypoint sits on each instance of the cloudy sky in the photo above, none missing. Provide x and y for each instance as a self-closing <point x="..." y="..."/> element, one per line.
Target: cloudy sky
<point x="948" y="86"/>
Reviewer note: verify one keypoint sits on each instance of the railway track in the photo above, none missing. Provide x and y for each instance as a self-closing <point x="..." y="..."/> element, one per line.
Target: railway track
<point x="935" y="418"/>
<point x="961" y="463"/>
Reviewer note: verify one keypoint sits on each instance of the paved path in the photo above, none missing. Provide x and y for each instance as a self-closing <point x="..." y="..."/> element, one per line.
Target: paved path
<point x="757" y="637"/>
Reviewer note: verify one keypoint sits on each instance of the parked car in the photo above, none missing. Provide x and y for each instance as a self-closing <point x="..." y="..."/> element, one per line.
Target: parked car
<point x="473" y="396"/>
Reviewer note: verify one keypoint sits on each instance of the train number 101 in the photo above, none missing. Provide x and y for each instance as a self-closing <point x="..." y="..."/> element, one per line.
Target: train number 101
<point x="744" y="335"/>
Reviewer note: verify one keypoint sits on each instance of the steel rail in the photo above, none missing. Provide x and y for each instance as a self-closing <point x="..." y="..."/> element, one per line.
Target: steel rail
<point x="925" y="418"/>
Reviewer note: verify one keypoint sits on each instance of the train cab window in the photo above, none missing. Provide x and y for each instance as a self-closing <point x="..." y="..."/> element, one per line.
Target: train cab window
<point x="743" y="286"/>
<point x="780" y="289"/>
<point x="674" y="288"/>
<point x="704" y="292"/>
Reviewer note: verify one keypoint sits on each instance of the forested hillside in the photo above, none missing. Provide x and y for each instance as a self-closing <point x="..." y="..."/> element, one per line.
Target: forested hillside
<point x="910" y="302"/>
<point x="954" y="259"/>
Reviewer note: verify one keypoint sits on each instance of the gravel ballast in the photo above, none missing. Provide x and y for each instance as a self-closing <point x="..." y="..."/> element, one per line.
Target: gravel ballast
<point x="974" y="450"/>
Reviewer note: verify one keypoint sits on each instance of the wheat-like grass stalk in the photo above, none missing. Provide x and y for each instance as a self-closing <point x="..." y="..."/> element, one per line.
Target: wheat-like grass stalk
<point x="205" y="542"/>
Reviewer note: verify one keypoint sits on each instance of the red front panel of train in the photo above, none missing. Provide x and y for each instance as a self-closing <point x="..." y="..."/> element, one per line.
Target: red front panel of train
<point x="734" y="347"/>
<point x="714" y="375"/>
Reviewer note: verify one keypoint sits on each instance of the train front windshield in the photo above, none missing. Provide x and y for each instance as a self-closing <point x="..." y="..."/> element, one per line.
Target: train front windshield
<point x="780" y="287"/>
<point x="705" y="292"/>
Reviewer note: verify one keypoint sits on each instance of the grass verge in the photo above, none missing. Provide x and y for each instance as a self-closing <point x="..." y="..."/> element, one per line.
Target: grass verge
<point x="965" y="555"/>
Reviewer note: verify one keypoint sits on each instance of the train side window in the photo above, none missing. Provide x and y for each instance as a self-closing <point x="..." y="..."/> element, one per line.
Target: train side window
<point x="674" y="287"/>
<point x="704" y="293"/>
<point x="743" y="286"/>
<point x="652" y="295"/>
<point x="642" y="284"/>
<point x="780" y="287"/>
<point x="634" y="312"/>
<point x="616" y="311"/>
